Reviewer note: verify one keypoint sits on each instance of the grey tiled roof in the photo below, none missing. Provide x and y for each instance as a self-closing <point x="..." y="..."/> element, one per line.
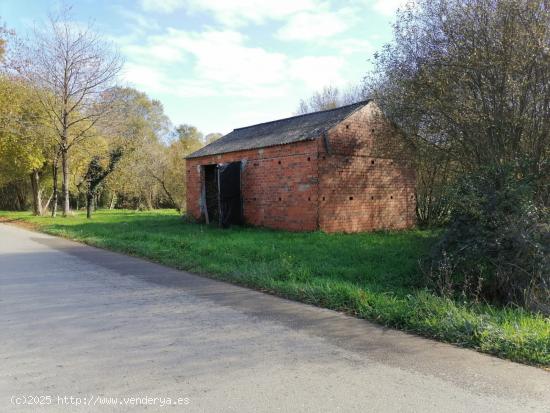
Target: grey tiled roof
<point x="279" y="132"/>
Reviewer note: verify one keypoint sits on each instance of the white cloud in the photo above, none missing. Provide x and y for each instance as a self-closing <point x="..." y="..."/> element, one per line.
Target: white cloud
<point x="388" y="7"/>
<point x="219" y="62"/>
<point x="161" y="6"/>
<point x="317" y="71"/>
<point x="150" y="78"/>
<point x="136" y="20"/>
<point x="234" y="12"/>
<point x="238" y="12"/>
<point x="223" y="57"/>
<point x="314" y="25"/>
<point x="349" y="46"/>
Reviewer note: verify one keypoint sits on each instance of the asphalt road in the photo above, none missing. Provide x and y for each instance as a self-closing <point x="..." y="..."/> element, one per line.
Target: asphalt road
<point x="100" y="327"/>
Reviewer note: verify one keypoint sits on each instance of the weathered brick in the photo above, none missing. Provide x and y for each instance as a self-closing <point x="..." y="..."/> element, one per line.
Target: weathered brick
<point x="360" y="181"/>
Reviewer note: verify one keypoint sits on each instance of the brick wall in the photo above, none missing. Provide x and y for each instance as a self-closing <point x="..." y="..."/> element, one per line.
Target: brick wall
<point x="365" y="182"/>
<point x="356" y="178"/>
<point x="280" y="185"/>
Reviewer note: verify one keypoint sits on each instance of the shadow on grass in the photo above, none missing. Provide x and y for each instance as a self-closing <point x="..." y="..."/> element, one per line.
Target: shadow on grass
<point x="384" y="261"/>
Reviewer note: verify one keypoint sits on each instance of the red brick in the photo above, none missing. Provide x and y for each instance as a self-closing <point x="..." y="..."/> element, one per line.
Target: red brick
<point x="361" y="182"/>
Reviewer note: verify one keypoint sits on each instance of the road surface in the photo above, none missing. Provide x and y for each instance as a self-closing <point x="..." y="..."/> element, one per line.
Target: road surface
<point x="87" y="327"/>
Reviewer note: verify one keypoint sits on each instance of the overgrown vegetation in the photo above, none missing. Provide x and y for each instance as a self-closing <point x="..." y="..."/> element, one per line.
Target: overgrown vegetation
<point x="468" y="81"/>
<point x="373" y="276"/>
<point x="498" y="243"/>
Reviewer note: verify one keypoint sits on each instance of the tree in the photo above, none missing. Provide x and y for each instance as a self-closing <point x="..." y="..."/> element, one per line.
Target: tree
<point x="25" y="140"/>
<point x="96" y="174"/>
<point x="4" y="35"/>
<point x="140" y="127"/>
<point x="169" y="169"/>
<point x="72" y="67"/>
<point x="330" y="98"/>
<point x="470" y="80"/>
<point x="188" y="133"/>
<point x="212" y="137"/>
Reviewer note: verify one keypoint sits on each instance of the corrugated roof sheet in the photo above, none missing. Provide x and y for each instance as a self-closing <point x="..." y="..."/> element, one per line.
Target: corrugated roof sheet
<point x="279" y="132"/>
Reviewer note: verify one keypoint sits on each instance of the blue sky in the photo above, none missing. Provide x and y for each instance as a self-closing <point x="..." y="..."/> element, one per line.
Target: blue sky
<point x="222" y="64"/>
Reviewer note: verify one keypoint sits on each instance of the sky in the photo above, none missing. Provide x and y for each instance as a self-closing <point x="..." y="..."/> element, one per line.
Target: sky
<point x="224" y="64"/>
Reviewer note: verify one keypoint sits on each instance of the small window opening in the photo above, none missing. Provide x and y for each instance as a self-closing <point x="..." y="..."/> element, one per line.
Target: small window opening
<point x="372" y="162"/>
<point x="372" y="130"/>
<point x="351" y="198"/>
<point x="372" y="198"/>
<point x="391" y="197"/>
<point x="280" y="199"/>
<point x="308" y="158"/>
<point x="279" y="162"/>
<point x="347" y="126"/>
<point x="323" y="198"/>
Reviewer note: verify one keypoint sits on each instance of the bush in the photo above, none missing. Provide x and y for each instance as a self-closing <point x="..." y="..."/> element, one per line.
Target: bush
<point x="497" y="244"/>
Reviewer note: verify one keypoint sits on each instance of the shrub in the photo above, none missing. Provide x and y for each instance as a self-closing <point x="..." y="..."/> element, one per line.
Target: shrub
<point x="497" y="244"/>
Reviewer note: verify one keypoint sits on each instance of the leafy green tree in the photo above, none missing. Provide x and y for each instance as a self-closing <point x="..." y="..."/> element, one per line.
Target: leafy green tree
<point x="170" y="169"/>
<point x="96" y="174"/>
<point x="140" y="127"/>
<point x="188" y="134"/>
<point x="26" y="141"/>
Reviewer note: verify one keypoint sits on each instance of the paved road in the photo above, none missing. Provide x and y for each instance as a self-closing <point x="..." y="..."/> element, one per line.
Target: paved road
<point x="83" y="322"/>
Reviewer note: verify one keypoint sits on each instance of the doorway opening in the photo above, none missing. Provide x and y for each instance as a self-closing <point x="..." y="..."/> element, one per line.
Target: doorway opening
<point x="211" y="193"/>
<point x="222" y="189"/>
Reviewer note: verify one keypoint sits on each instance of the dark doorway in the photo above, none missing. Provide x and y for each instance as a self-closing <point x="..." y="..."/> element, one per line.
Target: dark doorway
<point x="222" y="184"/>
<point x="211" y="193"/>
<point x="229" y="177"/>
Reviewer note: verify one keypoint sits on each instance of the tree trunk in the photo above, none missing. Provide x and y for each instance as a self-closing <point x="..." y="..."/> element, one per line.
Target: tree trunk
<point x="47" y="204"/>
<point x="89" y="204"/>
<point x="21" y="198"/>
<point x="113" y="201"/>
<point x="149" y="200"/>
<point x="55" y="168"/>
<point x="65" y="181"/>
<point x="36" y="193"/>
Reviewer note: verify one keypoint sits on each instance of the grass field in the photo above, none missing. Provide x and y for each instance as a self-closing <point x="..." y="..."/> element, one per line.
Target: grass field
<point x="373" y="276"/>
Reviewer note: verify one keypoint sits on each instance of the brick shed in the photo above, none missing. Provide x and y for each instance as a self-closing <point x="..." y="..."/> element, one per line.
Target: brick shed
<point x="339" y="170"/>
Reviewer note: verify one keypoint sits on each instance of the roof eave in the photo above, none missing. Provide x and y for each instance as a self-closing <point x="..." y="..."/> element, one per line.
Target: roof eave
<point x="193" y="156"/>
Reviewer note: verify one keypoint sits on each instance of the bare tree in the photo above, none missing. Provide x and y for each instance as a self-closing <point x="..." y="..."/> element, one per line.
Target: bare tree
<point x="72" y="67"/>
<point x="330" y="98"/>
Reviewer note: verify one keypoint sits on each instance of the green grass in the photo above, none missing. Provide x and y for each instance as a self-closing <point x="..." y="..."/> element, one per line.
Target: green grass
<point x="371" y="275"/>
